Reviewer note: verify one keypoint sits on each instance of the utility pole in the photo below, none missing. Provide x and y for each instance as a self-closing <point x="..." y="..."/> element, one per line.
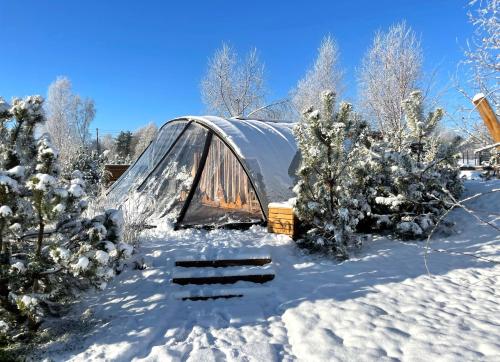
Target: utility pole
<point x="97" y="138"/>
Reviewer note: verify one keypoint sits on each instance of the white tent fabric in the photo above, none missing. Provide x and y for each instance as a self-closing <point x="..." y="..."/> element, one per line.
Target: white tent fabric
<point x="266" y="151"/>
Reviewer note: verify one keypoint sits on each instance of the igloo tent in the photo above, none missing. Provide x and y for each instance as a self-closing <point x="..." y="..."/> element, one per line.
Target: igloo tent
<point x="210" y="171"/>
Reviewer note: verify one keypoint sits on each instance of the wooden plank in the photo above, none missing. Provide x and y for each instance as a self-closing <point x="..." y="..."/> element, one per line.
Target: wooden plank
<point x="280" y="230"/>
<point x="280" y="225"/>
<point x="290" y="221"/>
<point x="280" y="222"/>
<point x="213" y="297"/>
<point x="222" y="263"/>
<point x="289" y="218"/>
<point x="282" y="216"/>
<point x="281" y="211"/>
<point x="231" y="279"/>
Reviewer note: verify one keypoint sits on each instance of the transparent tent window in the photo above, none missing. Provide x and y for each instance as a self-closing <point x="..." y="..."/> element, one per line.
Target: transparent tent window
<point x="165" y="172"/>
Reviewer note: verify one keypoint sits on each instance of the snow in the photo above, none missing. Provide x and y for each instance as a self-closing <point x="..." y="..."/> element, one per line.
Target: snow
<point x="394" y="202"/>
<point x="44" y="181"/>
<point x="126" y="249"/>
<point x="82" y="263"/>
<point x="379" y="305"/>
<point x="5" y="211"/>
<point x="478" y="97"/>
<point x="102" y="257"/>
<point x="4" y="327"/>
<point x="470" y="175"/>
<point x="211" y="292"/>
<point x="28" y="301"/>
<point x="59" y="208"/>
<point x="7" y="181"/>
<point x="19" y="266"/>
<point x="60" y="253"/>
<point x="280" y="205"/>
<point x="76" y="190"/>
<point x="17" y="172"/>
<point x="409" y="227"/>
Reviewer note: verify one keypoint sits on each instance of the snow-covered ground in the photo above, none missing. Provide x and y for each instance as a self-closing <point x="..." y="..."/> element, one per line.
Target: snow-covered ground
<point x="379" y="305"/>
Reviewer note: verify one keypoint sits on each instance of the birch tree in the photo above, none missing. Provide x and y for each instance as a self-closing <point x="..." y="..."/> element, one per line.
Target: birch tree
<point x="324" y="74"/>
<point x="482" y="62"/>
<point x="483" y="49"/>
<point x="68" y="118"/>
<point x="143" y="137"/>
<point x="391" y="69"/>
<point x="233" y="87"/>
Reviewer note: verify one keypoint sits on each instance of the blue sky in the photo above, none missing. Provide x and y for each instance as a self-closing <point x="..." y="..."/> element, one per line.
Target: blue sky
<point x="142" y="61"/>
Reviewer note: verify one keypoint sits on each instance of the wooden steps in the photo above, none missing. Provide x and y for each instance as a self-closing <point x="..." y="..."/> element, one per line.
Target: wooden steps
<point x="208" y="274"/>
<point x="221" y="263"/>
<point x="221" y="293"/>
<point x="230" y="279"/>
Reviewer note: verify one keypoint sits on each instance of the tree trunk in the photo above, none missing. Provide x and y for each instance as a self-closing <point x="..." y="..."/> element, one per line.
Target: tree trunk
<point x="41" y="227"/>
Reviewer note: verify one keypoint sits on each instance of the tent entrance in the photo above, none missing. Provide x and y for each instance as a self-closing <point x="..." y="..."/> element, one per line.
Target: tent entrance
<point x="222" y="192"/>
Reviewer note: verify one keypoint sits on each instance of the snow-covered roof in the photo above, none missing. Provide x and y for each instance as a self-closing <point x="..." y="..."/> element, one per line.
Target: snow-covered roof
<point x="266" y="150"/>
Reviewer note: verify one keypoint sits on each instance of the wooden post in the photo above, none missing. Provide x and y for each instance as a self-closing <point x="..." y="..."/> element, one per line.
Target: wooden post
<point x="488" y="115"/>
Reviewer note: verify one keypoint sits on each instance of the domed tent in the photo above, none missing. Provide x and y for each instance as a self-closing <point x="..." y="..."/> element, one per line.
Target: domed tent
<point x="210" y="171"/>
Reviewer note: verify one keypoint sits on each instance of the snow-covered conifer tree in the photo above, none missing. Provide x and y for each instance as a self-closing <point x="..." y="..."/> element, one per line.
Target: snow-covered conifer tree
<point x="331" y="178"/>
<point x="48" y="250"/>
<point x="92" y="167"/>
<point x="410" y="187"/>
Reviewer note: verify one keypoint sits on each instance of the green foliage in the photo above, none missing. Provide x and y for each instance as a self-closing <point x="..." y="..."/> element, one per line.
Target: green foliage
<point x="410" y="188"/>
<point x="330" y="199"/>
<point x="123" y="144"/>
<point x="48" y="250"/>
<point x="92" y="167"/>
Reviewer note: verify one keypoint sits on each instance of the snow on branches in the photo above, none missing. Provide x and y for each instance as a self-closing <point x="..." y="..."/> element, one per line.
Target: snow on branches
<point x="409" y="187"/>
<point x="331" y="178"/>
<point x="48" y="250"/>
<point x="351" y="181"/>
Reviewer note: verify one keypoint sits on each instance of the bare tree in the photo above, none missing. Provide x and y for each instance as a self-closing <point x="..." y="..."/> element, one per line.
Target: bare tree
<point x="60" y="111"/>
<point x="109" y="147"/>
<point x="482" y="69"/>
<point x="325" y="74"/>
<point x="233" y="87"/>
<point x="143" y="137"/>
<point x="483" y="49"/>
<point x="390" y="71"/>
<point x="84" y="115"/>
<point x="68" y="118"/>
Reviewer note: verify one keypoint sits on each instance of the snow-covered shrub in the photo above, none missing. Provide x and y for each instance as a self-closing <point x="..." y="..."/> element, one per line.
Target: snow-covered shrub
<point x="91" y="165"/>
<point x="48" y="250"/>
<point x="136" y="211"/>
<point x="331" y="178"/>
<point x="410" y="188"/>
